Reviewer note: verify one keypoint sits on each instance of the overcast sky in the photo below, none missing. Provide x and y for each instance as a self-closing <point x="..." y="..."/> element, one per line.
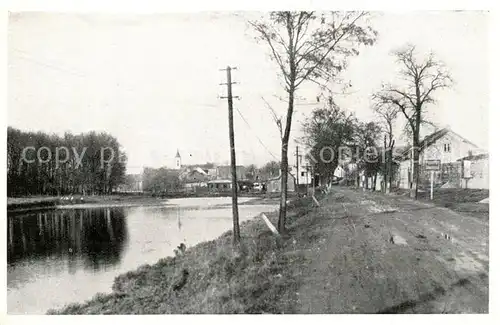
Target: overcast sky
<point x="153" y="80"/>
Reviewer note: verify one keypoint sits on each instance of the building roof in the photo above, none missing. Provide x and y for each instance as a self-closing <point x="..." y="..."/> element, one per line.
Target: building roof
<point x="228" y="166"/>
<point x="220" y="181"/>
<point x="278" y="177"/>
<point x="431" y="139"/>
<point x="475" y="157"/>
<point x="177" y="155"/>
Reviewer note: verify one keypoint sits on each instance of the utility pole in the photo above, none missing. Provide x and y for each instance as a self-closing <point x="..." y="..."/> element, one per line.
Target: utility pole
<point x="307" y="179"/>
<point x="385" y="165"/>
<point x="313" y="180"/>
<point x="236" y="225"/>
<point x="297" y="165"/>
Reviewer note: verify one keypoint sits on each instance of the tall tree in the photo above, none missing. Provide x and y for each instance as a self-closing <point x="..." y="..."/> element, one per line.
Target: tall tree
<point x="307" y="46"/>
<point x="250" y="172"/>
<point x="420" y="78"/>
<point x="368" y="157"/>
<point x="388" y="114"/>
<point x="326" y="130"/>
<point x="269" y="170"/>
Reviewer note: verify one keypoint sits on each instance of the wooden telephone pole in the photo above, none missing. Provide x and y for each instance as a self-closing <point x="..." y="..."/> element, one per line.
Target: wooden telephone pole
<point x="236" y="225"/>
<point x="297" y="166"/>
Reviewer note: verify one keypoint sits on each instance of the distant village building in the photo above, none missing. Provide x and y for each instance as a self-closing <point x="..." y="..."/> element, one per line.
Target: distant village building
<point x="220" y="185"/>
<point x="193" y="177"/>
<point x="273" y="185"/>
<point x="304" y="175"/>
<point x="224" y="172"/>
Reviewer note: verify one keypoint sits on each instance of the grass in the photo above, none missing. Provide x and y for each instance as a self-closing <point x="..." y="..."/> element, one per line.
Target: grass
<point x="256" y="277"/>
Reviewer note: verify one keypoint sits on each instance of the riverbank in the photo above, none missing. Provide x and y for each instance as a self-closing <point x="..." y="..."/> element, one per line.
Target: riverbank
<point x="26" y="204"/>
<point x="359" y="252"/>
<point x="23" y="204"/>
<point x="217" y="273"/>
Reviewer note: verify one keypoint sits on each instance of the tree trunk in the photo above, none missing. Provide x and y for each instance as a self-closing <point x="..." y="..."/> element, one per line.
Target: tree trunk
<point x="384" y="187"/>
<point x="416" y="155"/>
<point x="416" y="173"/>
<point x="284" y="162"/>
<point x="389" y="172"/>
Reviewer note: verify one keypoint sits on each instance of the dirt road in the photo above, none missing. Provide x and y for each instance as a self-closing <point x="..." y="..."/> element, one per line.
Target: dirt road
<point x="390" y="254"/>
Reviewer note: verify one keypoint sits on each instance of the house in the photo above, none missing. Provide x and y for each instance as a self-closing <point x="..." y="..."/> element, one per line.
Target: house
<point x="212" y="172"/>
<point x="340" y="172"/>
<point x="444" y="145"/>
<point x="224" y="172"/>
<point x="220" y="185"/>
<point x="194" y="175"/>
<point x="274" y="184"/>
<point x="304" y="176"/>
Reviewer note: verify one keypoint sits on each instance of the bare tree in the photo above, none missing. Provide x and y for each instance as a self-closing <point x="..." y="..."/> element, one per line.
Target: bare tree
<point x="277" y="120"/>
<point x="309" y="47"/>
<point x="388" y="114"/>
<point x="419" y="81"/>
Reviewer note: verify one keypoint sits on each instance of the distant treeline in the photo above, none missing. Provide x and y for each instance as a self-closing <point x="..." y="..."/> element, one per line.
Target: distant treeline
<point x="161" y="179"/>
<point x="48" y="164"/>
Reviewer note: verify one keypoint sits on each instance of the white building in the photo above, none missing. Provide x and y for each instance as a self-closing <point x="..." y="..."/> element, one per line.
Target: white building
<point x="304" y="175"/>
<point x="444" y="145"/>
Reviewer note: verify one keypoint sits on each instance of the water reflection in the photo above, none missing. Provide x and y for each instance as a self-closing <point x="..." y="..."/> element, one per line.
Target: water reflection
<point x="96" y="237"/>
<point x="70" y="255"/>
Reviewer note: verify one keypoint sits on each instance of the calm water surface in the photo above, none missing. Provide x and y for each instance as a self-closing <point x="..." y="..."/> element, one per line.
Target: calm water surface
<point x="68" y="255"/>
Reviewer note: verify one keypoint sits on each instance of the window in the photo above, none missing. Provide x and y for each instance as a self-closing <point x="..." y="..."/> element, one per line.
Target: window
<point x="302" y="174"/>
<point x="447" y="147"/>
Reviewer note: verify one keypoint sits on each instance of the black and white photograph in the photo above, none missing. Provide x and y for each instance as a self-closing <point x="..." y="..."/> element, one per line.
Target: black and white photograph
<point x="329" y="161"/>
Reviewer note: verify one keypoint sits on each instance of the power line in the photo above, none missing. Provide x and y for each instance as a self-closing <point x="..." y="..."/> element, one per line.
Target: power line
<point x="262" y="143"/>
<point x="27" y="57"/>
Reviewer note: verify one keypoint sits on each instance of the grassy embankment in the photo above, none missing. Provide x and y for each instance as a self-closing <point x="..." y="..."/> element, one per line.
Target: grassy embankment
<point x="262" y="276"/>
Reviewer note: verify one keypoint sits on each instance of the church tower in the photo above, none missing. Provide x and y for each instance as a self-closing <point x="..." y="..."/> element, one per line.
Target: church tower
<point x="178" y="160"/>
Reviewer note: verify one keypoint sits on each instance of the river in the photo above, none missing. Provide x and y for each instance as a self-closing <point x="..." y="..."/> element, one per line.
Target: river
<point x="68" y="255"/>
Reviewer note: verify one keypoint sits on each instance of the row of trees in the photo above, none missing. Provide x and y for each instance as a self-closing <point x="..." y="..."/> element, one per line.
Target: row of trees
<point x="331" y="127"/>
<point x="335" y="137"/>
<point x="315" y="47"/>
<point x="312" y="47"/>
<point x="48" y="164"/>
<point x="269" y="170"/>
<point x="160" y="179"/>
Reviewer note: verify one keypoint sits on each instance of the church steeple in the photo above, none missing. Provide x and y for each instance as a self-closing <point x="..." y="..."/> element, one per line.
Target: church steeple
<point x="178" y="163"/>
